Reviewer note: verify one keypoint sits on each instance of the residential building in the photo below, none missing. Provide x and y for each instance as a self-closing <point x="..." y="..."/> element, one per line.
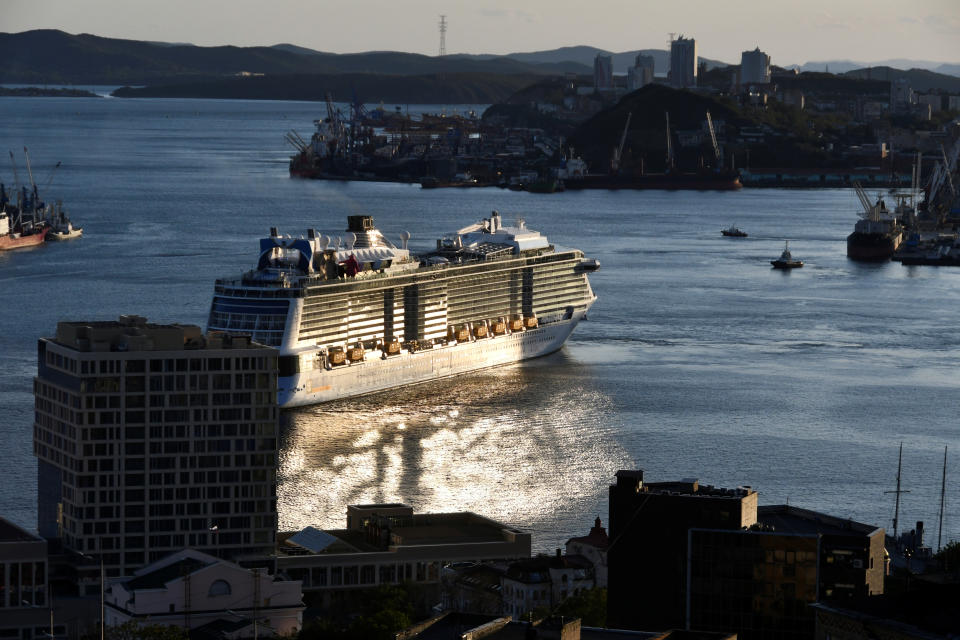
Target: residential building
<point x="544" y="582"/>
<point x="194" y="590"/>
<point x="151" y="438"/>
<point x="641" y="74"/>
<point x="603" y="72"/>
<point x="683" y="62"/>
<point x="593" y="547"/>
<point x="901" y="95"/>
<point x="953" y="103"/>
<point x="390" y="544"/>
<point x="754" y="67"/>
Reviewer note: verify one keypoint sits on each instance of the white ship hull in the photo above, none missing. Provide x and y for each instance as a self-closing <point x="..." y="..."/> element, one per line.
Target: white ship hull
<point x="377" y="373"/>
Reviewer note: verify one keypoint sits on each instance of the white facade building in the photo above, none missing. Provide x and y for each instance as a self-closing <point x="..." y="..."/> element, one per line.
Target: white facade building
<point x="593" y="547"/>
<point x="191" y="589"/>
<point x="544" y="582"/>
<point x="683" y="62"/>
<point x="641" y="74"/>
<point x="754" y="67"/>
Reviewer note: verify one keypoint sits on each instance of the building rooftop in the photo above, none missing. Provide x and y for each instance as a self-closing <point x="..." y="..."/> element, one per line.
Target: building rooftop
<point x="413" y="530"/>
<point x="160" y="577"/>
<point x="788" y="519"/>
<point x="692" y="487"/>
<point x="134" y="333"/>
<point x="10" y="532"/>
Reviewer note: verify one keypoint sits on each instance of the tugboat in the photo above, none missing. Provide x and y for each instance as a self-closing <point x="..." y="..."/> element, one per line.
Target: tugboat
<point x="786" y="261"/>
<point x="734" y="232"/>
<point x="60" y="226"/>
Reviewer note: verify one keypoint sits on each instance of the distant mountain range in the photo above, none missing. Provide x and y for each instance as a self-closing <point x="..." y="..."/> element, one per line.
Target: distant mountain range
<point x="55" y="57"/>
<point x="51" y="57"/>
<point x="843" y="66"/>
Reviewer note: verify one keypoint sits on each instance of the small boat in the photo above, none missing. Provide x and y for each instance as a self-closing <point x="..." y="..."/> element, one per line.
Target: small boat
<point x="786" y="261"/>
<point x="734" y="232"/>
<point x="60" y="226"/>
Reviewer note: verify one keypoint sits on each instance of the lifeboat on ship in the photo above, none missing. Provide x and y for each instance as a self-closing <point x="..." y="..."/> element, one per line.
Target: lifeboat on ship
<point x="337" y="356"/>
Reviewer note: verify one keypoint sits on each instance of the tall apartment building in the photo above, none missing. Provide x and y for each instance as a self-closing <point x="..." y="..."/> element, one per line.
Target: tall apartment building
<point x="754" y="67"/>
<point x="683" y="62"/>
<point x="641" y="74"/>
<point x="603" y="72"/>
<point x="151" y="438"/>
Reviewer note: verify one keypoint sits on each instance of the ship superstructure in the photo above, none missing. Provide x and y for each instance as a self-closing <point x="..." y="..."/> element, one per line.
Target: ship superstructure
<point x="360" y="314"/>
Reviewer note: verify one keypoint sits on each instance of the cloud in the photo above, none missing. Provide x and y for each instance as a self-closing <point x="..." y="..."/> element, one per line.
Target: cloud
<point x="510" y="14"/>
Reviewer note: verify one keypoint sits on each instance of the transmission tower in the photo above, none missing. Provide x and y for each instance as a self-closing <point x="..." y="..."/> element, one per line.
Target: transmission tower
<point x="443" y="35"/>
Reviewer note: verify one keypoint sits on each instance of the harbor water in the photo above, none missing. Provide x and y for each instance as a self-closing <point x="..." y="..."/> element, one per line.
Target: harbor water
<point x="697" y="360"/>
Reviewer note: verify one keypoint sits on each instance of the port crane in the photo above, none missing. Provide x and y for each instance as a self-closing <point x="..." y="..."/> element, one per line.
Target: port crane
<point x="713" y="139"/>
<point x="618" y="150"/>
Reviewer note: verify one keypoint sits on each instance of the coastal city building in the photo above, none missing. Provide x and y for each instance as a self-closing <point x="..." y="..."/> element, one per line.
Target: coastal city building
<point x="603" y="72"/>
<point x="754" y="67"/>
<point x="641" y="73"/>
<point x="194" y="590"/>
<point x="593" y="547"/>
<point x="683" y="63"/>
<point x="25" y="606"/>
<point x="152" y="438"/>
<point x="386" y="544"/>
<point x="647" y="557"/>
<point x="544" y="582"/>
<point x="722" y="563"/>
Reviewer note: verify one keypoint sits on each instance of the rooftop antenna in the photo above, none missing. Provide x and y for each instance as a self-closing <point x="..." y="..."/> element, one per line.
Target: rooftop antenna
<point x="443" y="36"/>
<point x="943" y="493"/>
<point x="896" y="511"/>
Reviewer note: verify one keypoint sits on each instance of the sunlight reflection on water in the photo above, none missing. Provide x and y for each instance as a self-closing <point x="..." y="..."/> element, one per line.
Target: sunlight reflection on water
<point x="507" y="443"/>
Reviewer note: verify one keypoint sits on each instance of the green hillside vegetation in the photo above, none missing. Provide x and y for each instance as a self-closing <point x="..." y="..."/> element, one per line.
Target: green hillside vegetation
<point x="448" y="88"/>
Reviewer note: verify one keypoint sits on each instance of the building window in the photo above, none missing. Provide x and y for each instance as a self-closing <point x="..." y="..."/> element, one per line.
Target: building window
<point x="219" y="588"/>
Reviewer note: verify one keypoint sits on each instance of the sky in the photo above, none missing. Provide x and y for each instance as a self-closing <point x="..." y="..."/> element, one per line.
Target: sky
<point x="791" y="32"/>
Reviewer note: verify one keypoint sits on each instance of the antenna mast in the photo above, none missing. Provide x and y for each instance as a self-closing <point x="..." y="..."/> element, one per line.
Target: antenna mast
<point x="443" y="36"/>
<point x="896" y="511"/>
<point x="943" y="493"/>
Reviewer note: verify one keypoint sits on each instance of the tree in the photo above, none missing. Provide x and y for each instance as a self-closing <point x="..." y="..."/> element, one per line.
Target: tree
<point x="949" y="557"/>
<point x="589" y="605"/>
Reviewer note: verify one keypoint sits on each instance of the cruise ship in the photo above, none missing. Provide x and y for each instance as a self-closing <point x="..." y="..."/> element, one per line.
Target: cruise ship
<point x="359" y="314"/>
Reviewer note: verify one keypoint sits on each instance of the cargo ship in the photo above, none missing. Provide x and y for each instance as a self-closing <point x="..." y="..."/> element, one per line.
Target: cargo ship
<point x="364" y="315"/>
<point x="879" y="232"/>
<point x="16" y="235"/>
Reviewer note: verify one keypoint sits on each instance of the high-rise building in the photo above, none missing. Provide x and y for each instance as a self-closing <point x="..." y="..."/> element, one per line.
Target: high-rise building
<point x="754" y="67"/>
<point x="151" y="438"/>
<point x="603" y="72"/>
<point x="683" y="62"/>
<point x="641" y="74"/>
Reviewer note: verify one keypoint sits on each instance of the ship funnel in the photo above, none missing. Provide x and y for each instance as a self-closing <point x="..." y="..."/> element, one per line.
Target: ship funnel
<point x="495" y="221"/>
<point x="312" y="234"/>
<point x="404" y="239"/>
<point x="273" y="232"/>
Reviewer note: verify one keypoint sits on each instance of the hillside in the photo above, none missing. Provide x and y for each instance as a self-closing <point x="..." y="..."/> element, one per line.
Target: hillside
<point x="920" y="80"/>
<point x="791" y="138"/>
<point x="452" y="88"/>
<point x="621" y="61"/>
<point x="55" y="57"/>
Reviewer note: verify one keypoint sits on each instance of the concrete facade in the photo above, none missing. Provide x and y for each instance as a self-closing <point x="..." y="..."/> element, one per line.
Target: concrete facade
<point x="151" y="438"/>
<point x="603" y="72"/>
<point x="754" y="67"/>
<point x="190" y="589"/>
<point x="25" y="605"/>
<point x="641" y="74"/>
<point x="389" y="544"/>
<point x="683" y="63"/>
